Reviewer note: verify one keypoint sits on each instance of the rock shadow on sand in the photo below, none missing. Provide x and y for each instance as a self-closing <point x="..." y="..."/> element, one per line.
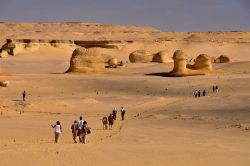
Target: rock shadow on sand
<point x="168" y="74"/>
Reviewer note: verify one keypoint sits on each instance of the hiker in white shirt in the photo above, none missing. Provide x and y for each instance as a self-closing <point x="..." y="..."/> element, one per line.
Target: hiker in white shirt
<point x="80" y="125"/>
<point x="58" y="130"/>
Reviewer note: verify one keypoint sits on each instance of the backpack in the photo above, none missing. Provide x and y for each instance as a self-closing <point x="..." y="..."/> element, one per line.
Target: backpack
<point x="88" y="131"/>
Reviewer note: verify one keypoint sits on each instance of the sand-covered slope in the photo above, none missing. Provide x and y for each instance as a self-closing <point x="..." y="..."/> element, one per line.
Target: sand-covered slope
<point x="164" y="123"/>
<point x="173" y="127"/>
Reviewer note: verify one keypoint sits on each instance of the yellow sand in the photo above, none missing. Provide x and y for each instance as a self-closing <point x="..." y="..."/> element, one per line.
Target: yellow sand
<point x="164" y="123"/>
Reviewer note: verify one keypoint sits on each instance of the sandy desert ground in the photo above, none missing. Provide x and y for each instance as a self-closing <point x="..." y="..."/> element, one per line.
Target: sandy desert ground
<point x="173" y="128"/>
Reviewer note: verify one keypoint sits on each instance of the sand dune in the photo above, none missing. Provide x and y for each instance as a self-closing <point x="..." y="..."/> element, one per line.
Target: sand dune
<point x="164" y="123"/>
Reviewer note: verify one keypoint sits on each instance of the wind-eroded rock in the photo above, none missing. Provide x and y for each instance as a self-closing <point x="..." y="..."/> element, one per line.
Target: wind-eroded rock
<point x="86" y="60"/>
<point x="113" y="63"/>
<point x="180" y="63"/>
<point x="222" y="59"/>
<point x="180" y="66"/>
<point x="140" y="56"/>
<point x="202" y="62"/>
<point x="162" y="57"/>
<point x="4" y="83"/>
<point x="3" y="54"/>
<point x="9" y="47"/>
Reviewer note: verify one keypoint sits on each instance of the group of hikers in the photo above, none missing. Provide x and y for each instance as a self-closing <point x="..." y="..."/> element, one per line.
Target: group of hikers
<point x="108" y="121"/>
<point x="215" y="88"/>
<point x="79" y="129"/>
<point x="198" y="93"/>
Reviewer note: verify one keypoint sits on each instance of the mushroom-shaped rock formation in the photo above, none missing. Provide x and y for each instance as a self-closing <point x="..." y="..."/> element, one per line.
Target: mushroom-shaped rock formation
<point x="9" y="47"/>
<point x="162" y="57"/>
<point x="86" y="60"/>
<point x="180" y="66"/>
<point x="202" y="62"/>
<point x="141" y="56"/>
<point x="4" y="83"/>
<point x="180" y="63"/>
<point x="222" y="59"/>
<point x="112" y="63"/>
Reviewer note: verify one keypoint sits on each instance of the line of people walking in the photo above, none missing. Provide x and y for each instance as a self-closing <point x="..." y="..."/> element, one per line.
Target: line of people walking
<point x="81" y="129"/>
<point x="198" y="93"/>
<point x="108" y="121"/>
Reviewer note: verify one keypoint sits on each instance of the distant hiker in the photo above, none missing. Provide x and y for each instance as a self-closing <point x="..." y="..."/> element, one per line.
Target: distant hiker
<point x="85" y="132"/>
<point x="195" y="93"/>
<point x="105" y="122"/>
<point x="24" y="95"/>
<point x="58" y="130"/>
<point x="217" y="88"/>
<point x="74" y="128"/>
<point x="204" y="92"/>
<point x="111" y="121"/>
<point x="114" y="112"/>
<point x="199" y="93"/>
<point x="213" y="88"/>
<point x="123" y="113"/>
<point x="80" y="124"/>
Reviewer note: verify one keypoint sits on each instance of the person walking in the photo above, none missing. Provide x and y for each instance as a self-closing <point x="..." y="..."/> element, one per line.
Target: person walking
<point x="85" y="132"/>
<point x="204" y="92"/>
<point x="80" y="124"/>
<point x="195" y="93"/>
<point x="123" y="113"/>
<point x="114" y="112"/>
<point x="111" y="121"/>
<point x="199" y="93"/>
<point x="105" y="122"/>
<point x="217" y="88"/>
<point x="74" y="129"/>
<point x="24" y="95"/>
<point x="58" y="130"/>
<point x="213" y="88"/>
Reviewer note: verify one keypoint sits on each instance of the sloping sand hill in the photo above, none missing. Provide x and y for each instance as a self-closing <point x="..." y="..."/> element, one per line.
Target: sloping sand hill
<point x="164" y="123"/>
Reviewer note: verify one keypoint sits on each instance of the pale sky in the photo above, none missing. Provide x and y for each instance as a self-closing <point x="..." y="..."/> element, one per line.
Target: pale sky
<point x="173" y="15"/>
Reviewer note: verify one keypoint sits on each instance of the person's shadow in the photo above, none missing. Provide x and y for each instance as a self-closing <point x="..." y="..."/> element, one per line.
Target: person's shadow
<point x="18" y="100"/>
